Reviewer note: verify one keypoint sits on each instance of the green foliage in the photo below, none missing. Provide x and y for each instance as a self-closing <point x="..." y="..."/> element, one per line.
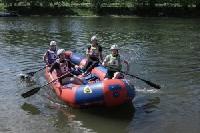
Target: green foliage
<point x="97" y="5"/>
<point x="1" y="7"/>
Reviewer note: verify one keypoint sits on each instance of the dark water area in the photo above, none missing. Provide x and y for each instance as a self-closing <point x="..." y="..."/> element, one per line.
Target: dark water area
<point x="163" y="50"/>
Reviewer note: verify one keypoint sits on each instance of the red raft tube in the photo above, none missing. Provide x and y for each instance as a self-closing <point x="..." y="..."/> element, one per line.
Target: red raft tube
<point x="96" y="91"/>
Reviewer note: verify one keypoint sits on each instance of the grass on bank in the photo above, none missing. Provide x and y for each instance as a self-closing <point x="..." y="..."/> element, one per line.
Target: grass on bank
<point x="83" y="12"/>
<point x="2" y="7"/>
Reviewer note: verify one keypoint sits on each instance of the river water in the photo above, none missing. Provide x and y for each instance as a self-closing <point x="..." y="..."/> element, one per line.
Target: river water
<point x="163" y="50"/>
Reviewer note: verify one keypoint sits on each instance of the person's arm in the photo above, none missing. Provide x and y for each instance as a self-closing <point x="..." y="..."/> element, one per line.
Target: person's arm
<point x="127" y="65"/>
<point x="45" y="58"/>
<point x="87" y="51"/>
<point x="54" y="66"/>
<point x="100" y="54"/>
<point x="71" y="65"/>
<point x="101" y="57"/>
<point x="105" y="62"/>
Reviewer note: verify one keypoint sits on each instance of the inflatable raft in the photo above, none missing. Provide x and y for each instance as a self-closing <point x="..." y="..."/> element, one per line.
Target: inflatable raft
<point x="95" y="91"/>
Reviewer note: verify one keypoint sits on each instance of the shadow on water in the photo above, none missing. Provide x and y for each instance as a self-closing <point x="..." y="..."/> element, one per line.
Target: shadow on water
<point x="123" y="112"/>
<point x="145" y="105"/>
<point x="30" y="109"/>
<point x="88" y="120"/>
<point x="113" y="119"/>
<point x="151" y="105"/>
<point x="95" y="119"/>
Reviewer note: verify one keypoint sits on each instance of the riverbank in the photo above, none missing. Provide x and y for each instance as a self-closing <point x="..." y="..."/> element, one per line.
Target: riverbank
<point x="2" y="7"/>
<point x="105" y="11"/>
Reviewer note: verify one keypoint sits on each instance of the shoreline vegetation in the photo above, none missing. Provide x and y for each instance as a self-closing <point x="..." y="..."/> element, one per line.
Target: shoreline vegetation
<point x="144" y="8"/>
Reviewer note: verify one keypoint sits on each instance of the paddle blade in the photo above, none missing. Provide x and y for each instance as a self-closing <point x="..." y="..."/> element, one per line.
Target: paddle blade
<point x="24" y="77"/>
<point x="31" y="92"/>
<point x="153" y="84"/>
<point x="31" y="74"/>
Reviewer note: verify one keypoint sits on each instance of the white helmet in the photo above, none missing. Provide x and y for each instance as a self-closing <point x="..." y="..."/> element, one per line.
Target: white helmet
<point x="60" y="51"/>
<point x="93" y="38"/>
<point x="114" y="47"/>
<point x="52" y="43"/>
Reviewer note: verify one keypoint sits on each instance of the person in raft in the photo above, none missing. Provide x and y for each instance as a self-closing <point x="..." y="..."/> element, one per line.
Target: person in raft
<point x="63" y="67"/>
<point x="94" y="55"/>
<point x="113" y="62"/>
<point x="50" y="56"/>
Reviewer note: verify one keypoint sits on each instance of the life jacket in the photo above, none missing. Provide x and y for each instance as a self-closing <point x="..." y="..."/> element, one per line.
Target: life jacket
<point x="51" y="56"/>
<point x="65" y="67"/>
<point x="94" y="51"/>
<point x="114" y="62"/>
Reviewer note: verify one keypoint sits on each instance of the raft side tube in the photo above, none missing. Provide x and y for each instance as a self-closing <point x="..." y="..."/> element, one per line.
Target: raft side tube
<point x="91" y="93"/>
<point x="130" y="88"/>
<point x="115" y="92"/>
<point x="100" y="72"/>
<point x="76" y="58"/>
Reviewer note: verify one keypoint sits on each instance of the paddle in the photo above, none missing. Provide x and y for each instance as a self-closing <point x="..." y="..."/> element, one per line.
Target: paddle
<point x="146" y="81"/>
<point x="35" y="90"/>
<point x="30" y="74"/>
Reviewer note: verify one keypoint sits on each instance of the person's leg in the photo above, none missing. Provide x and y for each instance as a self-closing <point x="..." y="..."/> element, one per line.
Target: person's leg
<point x="118" y="75"/>
<point x="75" y="71"/>
<point x="109" y="74"/>
<point x="65" y="80"/>
<point x="88" y="63"/>
<point x="77" y="81"/>
<point x="93" y="64"/>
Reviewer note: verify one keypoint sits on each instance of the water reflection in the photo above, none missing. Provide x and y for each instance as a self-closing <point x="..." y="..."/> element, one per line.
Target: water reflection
<point x="82" y="120"/>
<point x="147" y="104"/>
<point x="31" y="109"/>
<point x="151" y="105"/>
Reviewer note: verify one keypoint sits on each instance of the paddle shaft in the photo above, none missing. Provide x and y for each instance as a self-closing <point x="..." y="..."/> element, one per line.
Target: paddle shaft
<point x="32" y="73"/>
<point x="56" y="79"/>
<point x="133" y="76"/>
<point x="146" y="81"/>
<point x="35" y="90"/>
<point x="40" y="69"/>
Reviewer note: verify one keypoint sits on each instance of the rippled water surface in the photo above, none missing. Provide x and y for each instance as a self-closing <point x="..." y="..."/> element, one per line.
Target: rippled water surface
<point x="165" y="51"/>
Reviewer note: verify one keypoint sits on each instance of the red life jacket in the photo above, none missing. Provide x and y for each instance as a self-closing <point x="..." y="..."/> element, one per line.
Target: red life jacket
<point x="65" y="67"/>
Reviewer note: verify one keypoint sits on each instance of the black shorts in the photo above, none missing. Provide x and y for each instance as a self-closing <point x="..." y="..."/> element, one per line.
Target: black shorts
<point x="61" y="79"/>
<point x="91" y="62"/>
<point x="110" y="74"/>
<point x="91" y="58"/>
